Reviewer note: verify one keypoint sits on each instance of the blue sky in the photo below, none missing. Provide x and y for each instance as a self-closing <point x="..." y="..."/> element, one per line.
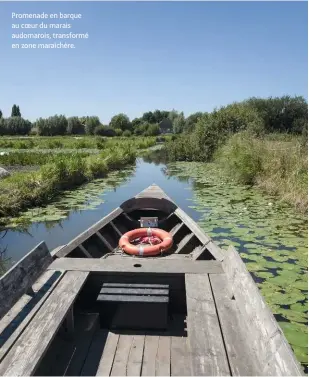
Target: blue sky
<point x="142" y="56"/>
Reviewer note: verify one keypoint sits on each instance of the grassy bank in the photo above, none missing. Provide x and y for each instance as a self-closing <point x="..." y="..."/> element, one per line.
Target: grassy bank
<point x="28" y="189"/>
<point x="277" y="166"/>
<point x="37" y="158"/>
<point x="74" y="142"/>
<point x="62" y="163"/>
<point x="258" y="141"/>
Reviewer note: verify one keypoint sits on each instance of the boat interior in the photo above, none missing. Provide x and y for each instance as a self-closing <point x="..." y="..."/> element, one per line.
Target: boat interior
<point x="103" y="242"/>
<point x="86" y="308"/>
<point x="113" y="338"/>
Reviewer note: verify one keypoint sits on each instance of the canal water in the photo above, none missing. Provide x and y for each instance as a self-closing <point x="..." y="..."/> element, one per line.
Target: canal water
<point x="271" y="237"/>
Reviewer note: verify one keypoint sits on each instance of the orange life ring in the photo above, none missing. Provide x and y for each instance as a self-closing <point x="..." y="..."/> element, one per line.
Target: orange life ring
<point x="149" y="250"/>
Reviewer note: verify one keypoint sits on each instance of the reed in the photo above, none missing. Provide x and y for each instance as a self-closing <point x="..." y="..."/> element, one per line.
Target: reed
<point x="277" y="165"/>
<point x="27" y="189"/>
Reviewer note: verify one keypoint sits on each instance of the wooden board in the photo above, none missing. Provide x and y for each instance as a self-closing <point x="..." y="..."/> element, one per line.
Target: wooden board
<point x="134" y="291"/>
<point x="20" y="315"/>
<point x="207" y="352"/>
<point x="134" y="365"/>
<point x="150" y="355"/>
<point x="56" y="250"/>
<point x="153" y="191"/>
<point x="107" y="359"/>
<point x="119" y="367"/>
<point x="84" y="334"/>
<point x="192" y="225"/>
<point x="268" y="341"/>
<point x="96" y="349"/>
<point x="125" y="265"/>
<point x="184" y="243"/>
<point x="17" y="281"/>
<point x="180" y="357"/>
<point x="242" y="360"/>
<point x="66" y="356"/>
<point x="88" y="233"/>
<point x="151" y="197"/>
<point x="24" y="356"/>
<point x="163" y="365"/>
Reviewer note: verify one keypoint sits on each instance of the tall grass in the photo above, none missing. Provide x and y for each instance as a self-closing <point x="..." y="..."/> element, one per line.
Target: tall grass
<point x="36" y="158"/>
<point x="23" y="190"/>
<point x="278" y="167"/>
<point x="77" y="142"/>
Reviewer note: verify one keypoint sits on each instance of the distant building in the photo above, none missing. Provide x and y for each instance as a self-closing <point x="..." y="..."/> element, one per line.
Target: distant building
<point x="166" y="126"/>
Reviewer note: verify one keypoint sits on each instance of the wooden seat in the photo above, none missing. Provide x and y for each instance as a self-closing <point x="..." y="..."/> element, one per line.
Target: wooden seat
<point x="136" y="306"/>
<point x="24" y="356"/>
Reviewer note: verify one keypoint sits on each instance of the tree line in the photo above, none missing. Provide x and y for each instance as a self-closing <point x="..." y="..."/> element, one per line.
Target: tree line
<point x="256" y="116"/>
<point x="274" y="114"/>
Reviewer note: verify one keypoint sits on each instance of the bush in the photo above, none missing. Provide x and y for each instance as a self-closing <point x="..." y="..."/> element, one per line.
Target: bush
<point x="212" y="130"/>
<point x="100" y="142"/>
<point x="278" y="166"/>
<point x="53" y="144"/>
<point x="127" y="133"/>
<point x="118" y="131"/>
<point x="82" y="144"/>
<point x="75" y="126"/>
<point x="242" y="158"/>
<point x="104" y="131"/>
<point x="153" y="130"/>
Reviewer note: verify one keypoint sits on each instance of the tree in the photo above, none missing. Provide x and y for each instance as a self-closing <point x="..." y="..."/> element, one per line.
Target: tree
<point x="75" y="126"/>
<point x="15" y="111"/>
<point x="281" y="114"/>
<point x="54" y="125"/>
<point x="172" y="115"/>
<point x="160" y="115"/>
<point x="179" y="123"/>
<point x="15" y="126"/>
<point x="0" y="114"/>
<point x="191" y="122"/>
<point x="148" y="117"/>
<point x="91" y="123"/>
<point x="120" y="121"/>
<point x="136" y="122"/>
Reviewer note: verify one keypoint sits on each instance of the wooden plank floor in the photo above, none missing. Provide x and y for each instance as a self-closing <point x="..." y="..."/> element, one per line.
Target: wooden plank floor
<point x="212" y="342"/>
<point x="137" y="355"/>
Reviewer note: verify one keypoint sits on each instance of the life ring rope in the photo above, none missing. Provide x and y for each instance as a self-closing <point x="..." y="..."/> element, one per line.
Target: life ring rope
<point x="148" y="250"/>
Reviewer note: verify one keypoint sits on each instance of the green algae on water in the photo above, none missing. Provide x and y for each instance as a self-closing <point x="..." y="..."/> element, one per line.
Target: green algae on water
<point x="87" y="197"/>
<point x="270" y="236"/>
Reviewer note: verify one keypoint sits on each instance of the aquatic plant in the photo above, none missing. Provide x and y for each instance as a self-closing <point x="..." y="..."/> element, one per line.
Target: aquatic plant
<point x="88" y="196"/>
<point x="271" y="237"/>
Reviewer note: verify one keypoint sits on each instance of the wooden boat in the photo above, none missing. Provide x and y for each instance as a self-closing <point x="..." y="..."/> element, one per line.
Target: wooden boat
<point x="88" y="309"/>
